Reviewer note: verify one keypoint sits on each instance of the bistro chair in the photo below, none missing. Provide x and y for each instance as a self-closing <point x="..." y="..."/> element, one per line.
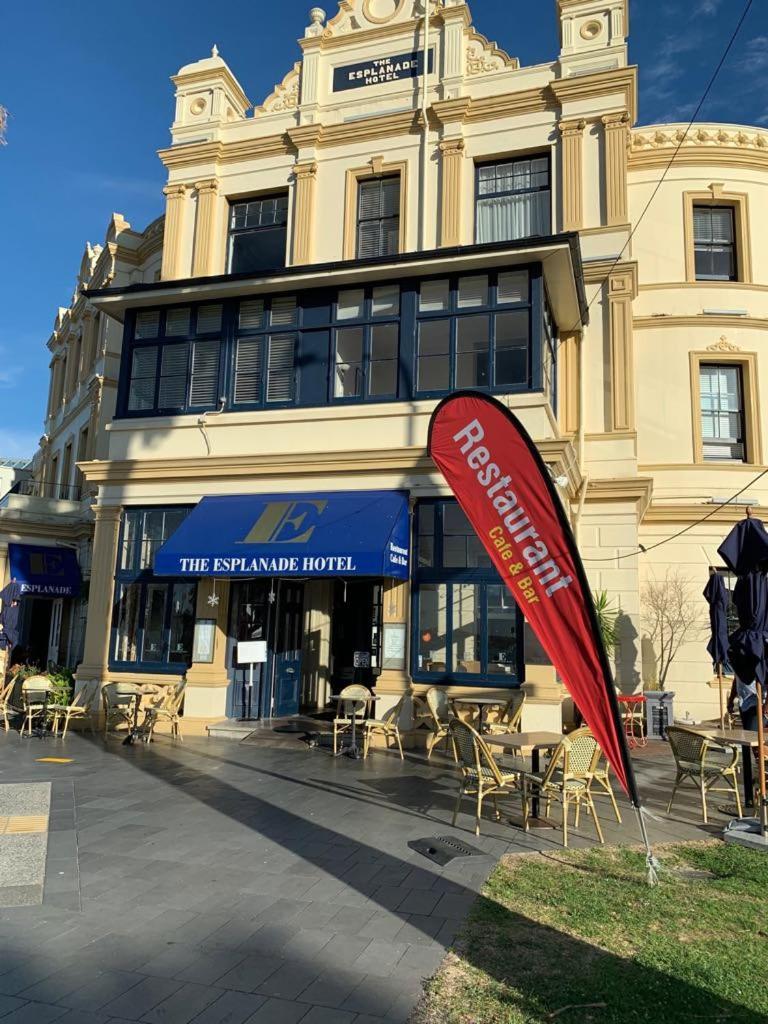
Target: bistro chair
<point x="601" y="776"/>
<point x="705" y="762"/>
<point x="168" y="709"/>
<point x="119" y="700"/>
<point x="566" y="779"/>
<point x="481" y="774"/>
<point x="387" y="726"/>
<point x="440" y="717"/>
<point x="353" y="703"/>
<point x="81" y="707"/>
<point x="510" y="718"/>
<point x="5" y="700"/>
<point x="34" y="694"/>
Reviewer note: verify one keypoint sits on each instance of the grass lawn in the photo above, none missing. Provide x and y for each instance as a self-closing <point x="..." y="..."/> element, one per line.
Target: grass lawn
<point x="574" y="937"/>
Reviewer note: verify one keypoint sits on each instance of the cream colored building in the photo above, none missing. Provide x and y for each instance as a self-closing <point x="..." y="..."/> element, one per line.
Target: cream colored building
<point x="353" y="248"/>
<point x="48" y="508"/>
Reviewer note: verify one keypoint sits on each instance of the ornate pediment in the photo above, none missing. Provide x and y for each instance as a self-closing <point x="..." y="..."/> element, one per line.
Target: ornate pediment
<point x="723" y="345"/>
<point x="285" y="96"/>
<point x="485" y="57"/>
<point x="362" y="15"/>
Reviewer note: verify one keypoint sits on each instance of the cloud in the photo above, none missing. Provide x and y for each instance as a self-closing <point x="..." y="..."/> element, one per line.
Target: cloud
<point x="662" y="76"/>
<point x="755" y="55"/>
<point x="707" y="7"/>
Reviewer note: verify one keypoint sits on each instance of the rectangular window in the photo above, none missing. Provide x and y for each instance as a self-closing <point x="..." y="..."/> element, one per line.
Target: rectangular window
<point x="722" y="412"/>
<point x="82" y="455"/>
<point x="365" y="346"/>
<point x="378" y="217"/>
<point x="513" y="199"/>
<point x="714" y="243"/>
<point x="258" y="234"/>
<point x="466" y="624"/>
<point x="154" y="619"/>
<point x="281" y="373"/>
<point x="65" y="489"/>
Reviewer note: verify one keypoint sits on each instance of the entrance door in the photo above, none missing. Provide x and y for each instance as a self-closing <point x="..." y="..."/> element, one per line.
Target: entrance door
<point x="356" y="633"/>
<point x="288" y="644"/>
<point x="250" y="620"/>
<point x="54" y="634"/>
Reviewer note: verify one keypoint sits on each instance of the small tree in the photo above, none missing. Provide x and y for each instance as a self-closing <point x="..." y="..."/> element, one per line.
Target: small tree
<point x="671" y="613"/>
<point x="607" y="613"/>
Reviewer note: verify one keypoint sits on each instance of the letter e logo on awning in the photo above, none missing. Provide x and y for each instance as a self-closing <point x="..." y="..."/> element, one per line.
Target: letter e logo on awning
<point x="286" y="522"/>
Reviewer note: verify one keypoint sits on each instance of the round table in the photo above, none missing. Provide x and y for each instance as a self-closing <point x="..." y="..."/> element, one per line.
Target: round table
<point x="482" y="704"/>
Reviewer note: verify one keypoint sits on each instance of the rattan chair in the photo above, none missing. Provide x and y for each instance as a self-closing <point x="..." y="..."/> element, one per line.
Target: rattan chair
<point x="440" y="717"/>
<point x="387" y="726"/>
<point x="510" y="718"/>
<point x="34" y="693"/>
<point x="353" y="703"/>
<point x="601" y="776"/>
<point x="705" y="762"/>
<point x="81" y="707"/>
<point x="481" y="775"/>
<point x="566" y="779"/>
<point x="168" y="709"/>
<point x="119" y="701"/>
<point x="5" y="700"/>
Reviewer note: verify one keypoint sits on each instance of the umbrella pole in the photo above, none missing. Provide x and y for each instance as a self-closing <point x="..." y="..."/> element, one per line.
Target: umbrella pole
<point x="720" y="691"/>
<point x="761" y="759"/>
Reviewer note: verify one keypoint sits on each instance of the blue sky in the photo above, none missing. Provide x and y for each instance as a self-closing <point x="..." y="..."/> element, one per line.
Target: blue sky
<point x="87" y="88"/>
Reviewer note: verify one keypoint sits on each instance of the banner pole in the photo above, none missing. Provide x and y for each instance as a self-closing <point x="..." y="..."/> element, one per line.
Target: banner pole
<point x="651" y="863"/>
<point x="761" y="759"/>
<point x="720" y="691"/>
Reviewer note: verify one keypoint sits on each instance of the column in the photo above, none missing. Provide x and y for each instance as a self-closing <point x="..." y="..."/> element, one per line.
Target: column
<point x="452" y="155"/>
<point x="305" y="174"/>
<point x="95" y="663"/>
<point x="88" y="345"/>
<point x="205" y="232"/>
<point x="176" y="198"/>
<point x="570" y="394"/>
<point x="206" y="696"/>
<point x="621" y="291"/>
<point x="572" y="133"/>
<point x="394" y="681"/>
<point x="616" y="127"/>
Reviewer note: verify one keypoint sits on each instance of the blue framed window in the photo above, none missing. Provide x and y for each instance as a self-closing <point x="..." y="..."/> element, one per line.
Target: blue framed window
<point x="513" y="199"/>
<point x="154" y="618"/>
<point x="465" y="624"/>
<point x="258" y="233"/>
<point x="380" y="342"/>
<point x="474" y="331"/>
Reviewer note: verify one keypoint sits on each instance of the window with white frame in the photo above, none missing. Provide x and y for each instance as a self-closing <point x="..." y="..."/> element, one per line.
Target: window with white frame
<point x="722" y="412"/>
<point x="513" y="199"/>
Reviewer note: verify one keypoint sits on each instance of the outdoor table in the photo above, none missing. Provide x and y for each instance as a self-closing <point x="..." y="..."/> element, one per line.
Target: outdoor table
<point x="748" y="742"/>
<point x="536" y="741"/>
<point x="144" y="690"/>
<point x="352" y="750"/>
<point x="482" y="704"/>
<point x="630" y="702"/>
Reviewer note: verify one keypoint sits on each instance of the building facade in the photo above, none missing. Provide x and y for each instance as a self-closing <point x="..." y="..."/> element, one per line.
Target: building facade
<point x="46" y="522"/>
<point x="408" y="213"/>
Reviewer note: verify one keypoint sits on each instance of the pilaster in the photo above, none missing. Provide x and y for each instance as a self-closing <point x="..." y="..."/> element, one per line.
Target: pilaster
<point x="622" y="290"/>
<point x="214" y="673"/>
<point x="175" y="208"/>
<point x="617" y="136"/>
<point x="305" y="174"/>
<point x="87" y="345"/>
<point x="452" y="157"/>
<point x="397" y="596"/>
<point x="95" y="663"/>
<point x="205" y="232"/>
<point x="572" y="135"/>
<point x="570" y="397"/>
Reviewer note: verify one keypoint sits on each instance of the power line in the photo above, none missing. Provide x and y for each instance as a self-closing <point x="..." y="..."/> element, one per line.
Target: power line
<point x="662" y="179"/>
<point x="660" y="543"/>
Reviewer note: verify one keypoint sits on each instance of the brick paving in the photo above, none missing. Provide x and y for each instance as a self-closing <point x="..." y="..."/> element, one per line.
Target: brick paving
<point x="261" y="882"/>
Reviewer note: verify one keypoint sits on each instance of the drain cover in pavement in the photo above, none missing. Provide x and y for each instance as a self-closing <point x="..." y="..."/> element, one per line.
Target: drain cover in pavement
<point x="443" y="849"/>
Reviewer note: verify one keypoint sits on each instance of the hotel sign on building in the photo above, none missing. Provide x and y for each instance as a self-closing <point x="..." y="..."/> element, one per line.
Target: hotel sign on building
<point x="380" y="70"/>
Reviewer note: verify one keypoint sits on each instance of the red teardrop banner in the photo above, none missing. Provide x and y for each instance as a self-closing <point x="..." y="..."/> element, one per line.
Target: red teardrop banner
<point x="505" y="490"/>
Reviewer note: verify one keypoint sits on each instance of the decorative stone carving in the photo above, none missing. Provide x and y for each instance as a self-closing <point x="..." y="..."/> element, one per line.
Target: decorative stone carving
<point x="485" y="57"/>
<point x="286" y="95"/>
<point x="317" y="23"/>
<point x="723" y="346"/>
<point x="672" y="136"/>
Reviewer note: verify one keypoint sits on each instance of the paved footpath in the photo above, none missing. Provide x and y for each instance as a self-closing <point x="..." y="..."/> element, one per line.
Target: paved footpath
<point x="259" y="882"/>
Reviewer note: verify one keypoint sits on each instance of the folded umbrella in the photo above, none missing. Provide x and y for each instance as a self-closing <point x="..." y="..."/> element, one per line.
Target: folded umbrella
<point x="716" y="596"/>
<point x="9" y="616"/>
<point x="746" y="647"/>
<point x="746" y="546"/>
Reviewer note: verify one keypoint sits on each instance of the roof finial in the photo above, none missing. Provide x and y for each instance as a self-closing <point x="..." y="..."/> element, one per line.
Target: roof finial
<point x="214" y="50"/>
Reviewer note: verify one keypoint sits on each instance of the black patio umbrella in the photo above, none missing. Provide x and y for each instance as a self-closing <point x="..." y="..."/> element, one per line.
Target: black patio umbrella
<point x="745" y="552"/>
<point x="10" y="595"/>
<point x="716" y="597"/>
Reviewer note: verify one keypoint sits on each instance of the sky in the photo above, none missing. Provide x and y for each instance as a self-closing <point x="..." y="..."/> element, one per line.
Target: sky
<point x="90" y="101"/>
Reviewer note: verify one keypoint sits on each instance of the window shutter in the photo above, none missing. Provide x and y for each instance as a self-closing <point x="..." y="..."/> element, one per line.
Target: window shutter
<point x="208" y="319"/>
<point x="283" y="311"/>
<point x="204" y="386"/>
<point x="248" y="370"/>
<point x="369" y="200"/>
<point x="369" y="240"/>
<point x="390" y="197"/>
<point x="177" y="322"/>
<point x="148" y="324"/>
<point x="702" y="224"/>
<point x="280" y="371"/>
<point x="141" y="393"/>
<point x="173" y="377"/>
<point x="251" y="315"/>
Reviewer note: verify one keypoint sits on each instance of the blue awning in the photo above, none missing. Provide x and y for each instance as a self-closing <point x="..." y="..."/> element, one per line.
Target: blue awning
<point x="351" y="533"/>
<point x="44" y="571"/>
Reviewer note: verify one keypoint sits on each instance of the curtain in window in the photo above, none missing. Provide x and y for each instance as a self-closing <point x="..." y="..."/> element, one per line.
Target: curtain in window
<point x="722" y="418"/>
<point x="505" y="218"/>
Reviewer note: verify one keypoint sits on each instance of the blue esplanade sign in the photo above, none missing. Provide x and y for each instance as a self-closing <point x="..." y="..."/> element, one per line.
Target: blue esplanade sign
<point x="44" y="571"/>
<point x="381" y="69"/>
<point x="352" y="533"/>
